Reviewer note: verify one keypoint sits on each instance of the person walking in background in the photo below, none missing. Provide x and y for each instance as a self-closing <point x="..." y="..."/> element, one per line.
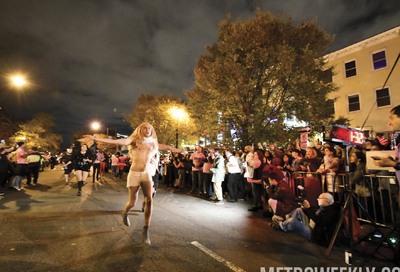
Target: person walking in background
<point x="98" y="157"/>
<point x="114" y="164"/>
<point x="83" y="161"/>
<point x="121" y="165"/>
<point x="33" y="159"/>
<point x="68" y="165"/>
<point x="103" y="165"/>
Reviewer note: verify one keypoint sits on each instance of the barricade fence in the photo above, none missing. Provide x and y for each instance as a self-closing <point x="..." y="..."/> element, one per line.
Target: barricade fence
<point x="376" y="198"/>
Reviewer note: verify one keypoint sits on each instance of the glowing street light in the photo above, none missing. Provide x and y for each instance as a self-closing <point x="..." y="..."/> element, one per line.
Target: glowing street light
<point x="18" y="81"/>
<point x="95" y="125"/>
<point x="180" y="115"/>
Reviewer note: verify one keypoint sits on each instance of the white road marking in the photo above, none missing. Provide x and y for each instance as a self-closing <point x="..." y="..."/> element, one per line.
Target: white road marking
<point x="214" y="255"/>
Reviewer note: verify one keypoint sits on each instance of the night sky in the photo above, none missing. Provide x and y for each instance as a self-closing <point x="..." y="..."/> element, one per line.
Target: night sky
<point x="91" y="59"/>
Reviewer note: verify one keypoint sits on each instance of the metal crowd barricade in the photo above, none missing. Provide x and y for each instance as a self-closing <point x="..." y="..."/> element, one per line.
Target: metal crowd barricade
<point x="377" y="197"/>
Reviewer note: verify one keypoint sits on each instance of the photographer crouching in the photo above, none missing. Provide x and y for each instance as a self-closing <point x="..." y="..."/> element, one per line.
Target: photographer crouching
<point x="316" y="224"/>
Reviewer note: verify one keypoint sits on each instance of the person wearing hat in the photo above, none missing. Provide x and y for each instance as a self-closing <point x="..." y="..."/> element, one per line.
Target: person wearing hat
<point x="316" y="224"/>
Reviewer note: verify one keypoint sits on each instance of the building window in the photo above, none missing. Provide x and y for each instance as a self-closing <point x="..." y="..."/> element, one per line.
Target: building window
<point x="326" y="76"/>
<point x="382" y="97"/>
<point x="331" y="106"/>
<point x="350" y="68"/>
<point x="354" y="102"/>
<point x="379" y="60"/>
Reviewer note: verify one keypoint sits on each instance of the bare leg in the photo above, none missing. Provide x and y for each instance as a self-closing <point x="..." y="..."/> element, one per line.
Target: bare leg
<point x="147" y="193"/>
<point x="133" y="194"/>
<point x="152" y="195"/>
<point x="147" y="188"/>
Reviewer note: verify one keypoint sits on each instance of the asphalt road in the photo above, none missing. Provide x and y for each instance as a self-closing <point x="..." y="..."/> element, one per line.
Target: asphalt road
<point x="49" y="228"/>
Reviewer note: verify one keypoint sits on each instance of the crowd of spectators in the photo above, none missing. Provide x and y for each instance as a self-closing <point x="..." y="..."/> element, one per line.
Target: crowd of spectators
<point x="267" y="179"/>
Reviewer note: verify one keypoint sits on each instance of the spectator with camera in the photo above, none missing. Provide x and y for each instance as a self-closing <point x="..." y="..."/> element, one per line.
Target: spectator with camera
<point x="317" y="223"/>
<point x="281" y="198"/>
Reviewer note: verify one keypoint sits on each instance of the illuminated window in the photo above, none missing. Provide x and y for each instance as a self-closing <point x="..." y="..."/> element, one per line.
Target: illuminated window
<point x="354" y="102"/>
<point x="350" y="68"/>
<point x="379" y="60"/>
<point x="383" y="97"/>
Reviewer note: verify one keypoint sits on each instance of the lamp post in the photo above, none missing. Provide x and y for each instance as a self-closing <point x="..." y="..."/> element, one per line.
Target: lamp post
<point x="176" y="137"/>
<point x="178" y="114"/>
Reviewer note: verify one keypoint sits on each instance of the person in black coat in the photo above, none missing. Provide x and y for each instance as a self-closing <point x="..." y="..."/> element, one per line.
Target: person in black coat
<point x="316" y="223"/>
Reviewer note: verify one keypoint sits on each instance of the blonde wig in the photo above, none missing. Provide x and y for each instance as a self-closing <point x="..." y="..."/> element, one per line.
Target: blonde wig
<point x="138" y="138"/>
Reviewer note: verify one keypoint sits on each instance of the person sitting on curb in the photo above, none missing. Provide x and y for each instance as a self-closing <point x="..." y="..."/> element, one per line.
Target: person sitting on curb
<point x="316" y="224"/>
<point x="281" y="199"/>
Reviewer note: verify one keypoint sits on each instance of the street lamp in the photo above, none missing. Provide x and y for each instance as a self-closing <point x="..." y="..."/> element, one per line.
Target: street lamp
<point x="17" y="80"/>
<point x="179" y="114"/>
<point x="95" y="125"/>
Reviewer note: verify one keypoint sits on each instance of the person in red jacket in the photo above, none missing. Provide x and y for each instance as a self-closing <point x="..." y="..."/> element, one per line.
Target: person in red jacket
<point x="281" y="198"/>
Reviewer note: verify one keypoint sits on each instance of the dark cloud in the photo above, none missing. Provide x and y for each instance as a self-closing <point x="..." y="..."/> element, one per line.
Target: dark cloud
<point x="91" y="59"/>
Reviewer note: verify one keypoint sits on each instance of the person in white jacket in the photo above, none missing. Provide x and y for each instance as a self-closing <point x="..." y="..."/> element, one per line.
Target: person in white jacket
<point x="218" y="177"/>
